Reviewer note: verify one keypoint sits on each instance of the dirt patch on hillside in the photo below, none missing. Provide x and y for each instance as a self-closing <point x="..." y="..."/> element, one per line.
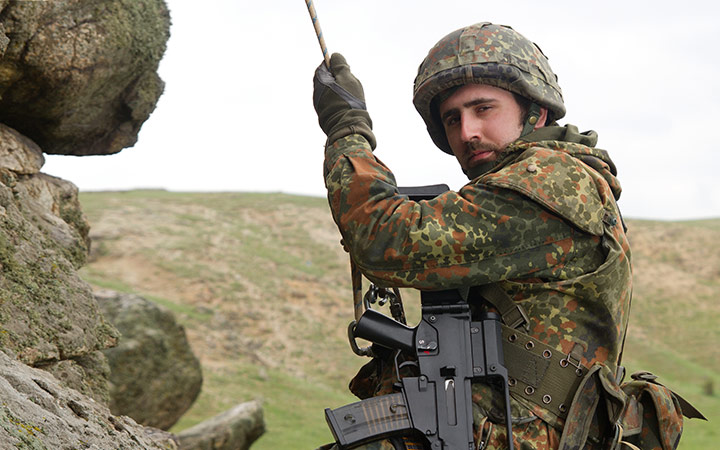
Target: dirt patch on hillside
<point x="677" y="283"/>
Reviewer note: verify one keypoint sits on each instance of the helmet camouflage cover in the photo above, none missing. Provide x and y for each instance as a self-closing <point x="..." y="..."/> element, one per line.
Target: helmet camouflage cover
<point x="484" y="53"/>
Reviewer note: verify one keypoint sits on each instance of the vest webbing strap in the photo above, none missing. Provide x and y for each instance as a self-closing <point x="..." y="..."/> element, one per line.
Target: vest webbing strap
<point x="513" y="315"/>
<point x="539" y="373"/>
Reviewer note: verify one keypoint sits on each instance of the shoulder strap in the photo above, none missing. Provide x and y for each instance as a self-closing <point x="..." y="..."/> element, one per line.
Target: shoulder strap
<point x="512" y="313"/>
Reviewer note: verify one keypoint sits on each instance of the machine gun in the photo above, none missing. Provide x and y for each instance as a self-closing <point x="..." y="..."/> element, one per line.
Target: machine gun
<point x="450" y="351"/>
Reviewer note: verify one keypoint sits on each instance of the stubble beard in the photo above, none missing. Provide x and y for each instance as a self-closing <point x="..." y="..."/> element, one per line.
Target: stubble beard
<point x="482" y="167"/>
<point x="475" y="145"/>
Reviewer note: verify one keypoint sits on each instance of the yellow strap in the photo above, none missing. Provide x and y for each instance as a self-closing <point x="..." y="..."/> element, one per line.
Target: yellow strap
<point x="627" y="444"/>
<point x="484" y="436"/>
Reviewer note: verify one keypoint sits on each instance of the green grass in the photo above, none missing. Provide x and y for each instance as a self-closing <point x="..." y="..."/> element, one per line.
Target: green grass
<point x="292" y="407"/>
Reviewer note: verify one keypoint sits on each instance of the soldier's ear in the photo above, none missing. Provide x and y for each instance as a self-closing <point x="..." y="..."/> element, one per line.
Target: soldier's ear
<point x="541" y="120"/>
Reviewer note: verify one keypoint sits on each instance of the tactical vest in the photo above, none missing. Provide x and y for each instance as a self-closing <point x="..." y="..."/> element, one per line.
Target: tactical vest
<point x="564" y="381"/>
<point x="576" y="326"/>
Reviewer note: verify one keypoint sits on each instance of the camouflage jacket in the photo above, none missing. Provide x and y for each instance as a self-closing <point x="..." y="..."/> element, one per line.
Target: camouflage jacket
<point x="543" y="225"/>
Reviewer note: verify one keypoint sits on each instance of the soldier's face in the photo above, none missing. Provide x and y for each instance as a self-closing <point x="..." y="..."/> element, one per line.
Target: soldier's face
<point x="480" y="121"/>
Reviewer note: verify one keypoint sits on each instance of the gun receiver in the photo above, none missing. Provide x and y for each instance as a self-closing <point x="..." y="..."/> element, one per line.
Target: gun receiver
<point x="452" y="351"/>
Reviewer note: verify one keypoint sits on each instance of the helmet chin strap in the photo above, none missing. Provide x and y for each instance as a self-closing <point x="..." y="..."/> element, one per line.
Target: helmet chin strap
<point x="532" y="119"/>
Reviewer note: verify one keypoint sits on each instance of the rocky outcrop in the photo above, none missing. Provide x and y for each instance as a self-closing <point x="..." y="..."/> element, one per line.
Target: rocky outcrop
<point x="80" y="77"/>
<point x="154" y="375"/>
<point x="234" y="429"/>
<point x="48" y="315"/>
<point x="76" y="77"/>
<point x="37" y="412"/>
<point x="50" y="319"/>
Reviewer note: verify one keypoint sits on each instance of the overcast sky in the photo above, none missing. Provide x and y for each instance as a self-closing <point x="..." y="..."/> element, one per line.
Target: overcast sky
<point x="237" y="110"/>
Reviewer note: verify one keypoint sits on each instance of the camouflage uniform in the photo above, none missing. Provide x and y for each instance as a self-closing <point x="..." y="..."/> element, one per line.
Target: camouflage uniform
<point x="544" y="224"/>
<point x="541" y="223"/>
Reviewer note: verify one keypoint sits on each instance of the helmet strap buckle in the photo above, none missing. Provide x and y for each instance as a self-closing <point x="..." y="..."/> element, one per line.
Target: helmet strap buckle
<point x="532" y="119"/>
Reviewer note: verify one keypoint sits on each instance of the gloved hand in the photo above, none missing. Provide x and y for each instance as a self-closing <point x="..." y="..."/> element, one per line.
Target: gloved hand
<point x="340" y="102"/>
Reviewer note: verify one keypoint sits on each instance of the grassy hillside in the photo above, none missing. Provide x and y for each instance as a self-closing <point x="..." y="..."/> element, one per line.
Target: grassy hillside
<point x="675" y="316"/>
<point x="262" y="286"/>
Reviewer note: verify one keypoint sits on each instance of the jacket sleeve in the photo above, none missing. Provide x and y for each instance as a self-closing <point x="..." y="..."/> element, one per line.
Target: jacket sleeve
<point x="478" y="235"/>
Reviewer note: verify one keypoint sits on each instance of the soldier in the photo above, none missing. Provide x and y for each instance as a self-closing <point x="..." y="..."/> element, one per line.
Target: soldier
<point x="538" y="219"/>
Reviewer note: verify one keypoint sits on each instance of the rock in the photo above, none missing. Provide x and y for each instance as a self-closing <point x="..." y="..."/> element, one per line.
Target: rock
<point x="48" y="316"/>
<point x="47" y="313"/>
<point x="80" y="77"/>
<point x="18" y="153"/>
<point x="234" y="429"/>
<point x="37" y="412"/>
<point x="154" y="375"/>
<point x="89" y="374"/>
<point x="54" y="207"/>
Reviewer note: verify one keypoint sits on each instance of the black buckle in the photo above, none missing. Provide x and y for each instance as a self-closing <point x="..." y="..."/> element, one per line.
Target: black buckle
<point x="523" y="320"/>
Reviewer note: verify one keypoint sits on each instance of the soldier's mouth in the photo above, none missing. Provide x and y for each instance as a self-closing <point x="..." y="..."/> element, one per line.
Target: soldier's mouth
<point x="481" y="156"/>
<point x="481" y="152"/>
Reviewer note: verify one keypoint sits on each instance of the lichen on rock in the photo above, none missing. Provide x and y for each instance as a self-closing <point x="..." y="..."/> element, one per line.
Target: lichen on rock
<point x="48" y="315"/>
<point x="79" y="77"/>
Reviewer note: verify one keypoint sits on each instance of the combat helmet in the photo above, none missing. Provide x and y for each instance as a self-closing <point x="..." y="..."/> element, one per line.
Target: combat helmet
<point x="484" y="53"/>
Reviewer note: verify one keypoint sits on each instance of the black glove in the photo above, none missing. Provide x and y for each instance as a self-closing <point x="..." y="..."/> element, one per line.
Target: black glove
<point x="340" y="103"/>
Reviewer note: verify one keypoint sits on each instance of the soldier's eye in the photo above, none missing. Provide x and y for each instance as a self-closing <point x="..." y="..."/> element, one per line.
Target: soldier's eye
<point x="451" y="120"/>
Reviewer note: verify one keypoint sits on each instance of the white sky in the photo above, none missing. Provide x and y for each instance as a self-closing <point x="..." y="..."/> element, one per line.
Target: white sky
<point x="237" y="110"/>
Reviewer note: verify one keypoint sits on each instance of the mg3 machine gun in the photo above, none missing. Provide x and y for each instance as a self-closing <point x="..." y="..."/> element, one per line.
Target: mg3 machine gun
<point x="449" y="350"/>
